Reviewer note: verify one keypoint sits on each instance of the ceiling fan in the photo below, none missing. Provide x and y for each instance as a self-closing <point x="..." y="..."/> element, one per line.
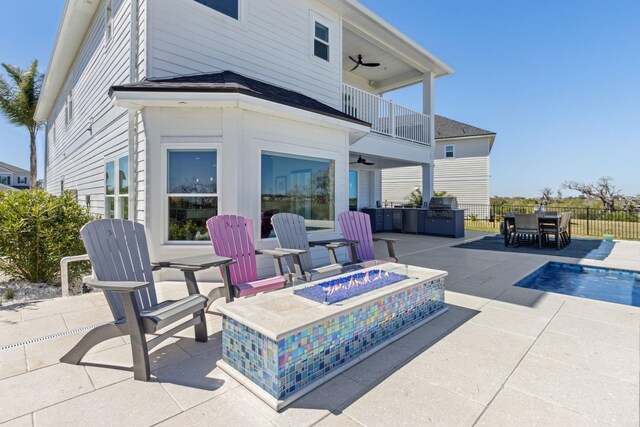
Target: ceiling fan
<point x="364" y="64"/>
<point x="362" y="161"/>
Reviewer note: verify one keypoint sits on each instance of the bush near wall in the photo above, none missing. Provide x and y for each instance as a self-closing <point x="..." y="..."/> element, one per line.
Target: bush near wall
<point x="38" y="229"/>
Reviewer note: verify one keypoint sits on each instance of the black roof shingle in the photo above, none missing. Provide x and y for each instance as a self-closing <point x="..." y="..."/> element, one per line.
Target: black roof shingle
<point x="230" y="82"/>
<point x="447" y="128"/>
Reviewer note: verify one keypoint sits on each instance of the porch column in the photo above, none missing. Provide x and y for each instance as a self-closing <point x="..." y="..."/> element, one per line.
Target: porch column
<point x="428" y="105"/>
<point x="427" y="182"/>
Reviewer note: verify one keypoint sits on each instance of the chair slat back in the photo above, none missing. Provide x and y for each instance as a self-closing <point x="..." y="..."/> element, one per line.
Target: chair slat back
<point x="291" y="233"/>
<point x="232" y="237"/>
<point x="357" y="226"/>
<point x="564" y="220"/>
<point x="119" y="253"/>
<point x="526" y="222"/>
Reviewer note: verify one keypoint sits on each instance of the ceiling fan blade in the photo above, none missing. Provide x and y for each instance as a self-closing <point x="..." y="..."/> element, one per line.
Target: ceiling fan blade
<point x="357" y="65"/>
<point x="371" y="64"/>
<point x="368" y="163"/>
<point x="351" y="58"/>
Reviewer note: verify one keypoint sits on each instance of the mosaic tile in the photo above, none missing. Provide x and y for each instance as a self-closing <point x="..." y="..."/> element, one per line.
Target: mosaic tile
<point x="284" y="367"/>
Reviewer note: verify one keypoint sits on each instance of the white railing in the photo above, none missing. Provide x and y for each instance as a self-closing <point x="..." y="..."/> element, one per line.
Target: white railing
<point x="385" y="116"/>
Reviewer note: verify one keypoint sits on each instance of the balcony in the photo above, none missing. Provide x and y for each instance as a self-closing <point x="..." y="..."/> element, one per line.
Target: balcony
<point x="385" y="116"/>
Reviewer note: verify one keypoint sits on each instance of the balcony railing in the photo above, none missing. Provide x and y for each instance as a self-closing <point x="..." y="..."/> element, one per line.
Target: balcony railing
<point x="385" y="116"/>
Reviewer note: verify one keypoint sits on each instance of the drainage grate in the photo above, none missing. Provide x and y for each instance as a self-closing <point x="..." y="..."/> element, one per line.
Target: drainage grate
<point x="48" y="337"/>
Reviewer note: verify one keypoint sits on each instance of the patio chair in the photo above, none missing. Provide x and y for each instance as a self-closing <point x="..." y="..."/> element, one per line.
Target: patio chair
<point x="527" y="227"/>
<point x="291" y="233"/>
<point x="357" y="226"/>
<point x="122" y="269"/>
<point x="232" y="237"/>
<point x="560" y="232"/>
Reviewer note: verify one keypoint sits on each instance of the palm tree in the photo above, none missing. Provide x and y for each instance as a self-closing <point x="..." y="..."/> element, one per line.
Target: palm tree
<point x="18" y="103"/>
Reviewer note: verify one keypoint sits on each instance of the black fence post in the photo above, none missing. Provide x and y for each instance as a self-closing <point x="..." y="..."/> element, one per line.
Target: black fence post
<point x="588" y="210"/>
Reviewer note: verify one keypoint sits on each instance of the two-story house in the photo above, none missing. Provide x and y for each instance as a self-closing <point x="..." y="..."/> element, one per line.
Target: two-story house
<point x="15" y="177"/>
<point x="168" y="112"/>
<point x="461" y="167"/>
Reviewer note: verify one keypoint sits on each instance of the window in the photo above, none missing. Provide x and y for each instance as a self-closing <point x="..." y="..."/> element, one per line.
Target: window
<point x="109" y="22"/>
<point x="228" y="7"/>
<point x="192" y="193"/>
<point x="6" y="180"/>
<point x="321" y="41"/>
<point x="117" y="195"/>
<point x="300" y="185"/>
<point x="449" y="152"/>
<point x="353" y="190"/>
<point x="68" y="109"/>
<point x="22" y="180"/>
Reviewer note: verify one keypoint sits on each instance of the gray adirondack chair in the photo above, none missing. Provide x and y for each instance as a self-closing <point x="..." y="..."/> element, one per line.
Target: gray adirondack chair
<point x="291" y="233"/>
<point x="120" y="259"/>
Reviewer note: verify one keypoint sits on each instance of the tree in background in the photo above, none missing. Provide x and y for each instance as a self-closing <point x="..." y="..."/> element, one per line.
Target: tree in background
<point x="602" y="190"/>
<point x="546" y="197"/>
<point x="18" y="101"/>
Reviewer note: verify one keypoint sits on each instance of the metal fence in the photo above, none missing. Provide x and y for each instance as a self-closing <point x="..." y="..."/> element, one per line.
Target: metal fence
<point x="590" y="222"/>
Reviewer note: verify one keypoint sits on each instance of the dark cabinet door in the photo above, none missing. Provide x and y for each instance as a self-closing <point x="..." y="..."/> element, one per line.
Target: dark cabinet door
<point x="422" y="221"/>
<point x="388" y="220"/>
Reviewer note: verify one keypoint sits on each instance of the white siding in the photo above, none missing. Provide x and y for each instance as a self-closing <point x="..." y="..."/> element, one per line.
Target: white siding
<point x="466" y="176"/>
<point x="271" y="42"/>
<point x="98" y="130"/>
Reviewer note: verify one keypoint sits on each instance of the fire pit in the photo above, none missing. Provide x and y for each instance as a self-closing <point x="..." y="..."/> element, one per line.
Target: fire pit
<point x="342" y="288"/>
<point x="282" y="344"/>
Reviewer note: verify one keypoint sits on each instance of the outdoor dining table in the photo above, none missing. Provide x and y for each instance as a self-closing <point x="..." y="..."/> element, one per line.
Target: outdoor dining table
<point x="544" y="219"/>
<point x="190" y="265"/>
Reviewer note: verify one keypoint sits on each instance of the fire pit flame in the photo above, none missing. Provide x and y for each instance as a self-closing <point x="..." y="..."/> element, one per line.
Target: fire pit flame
<point x="346" y="287"/>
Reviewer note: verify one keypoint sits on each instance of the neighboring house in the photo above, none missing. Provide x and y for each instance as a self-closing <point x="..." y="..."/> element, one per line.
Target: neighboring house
<point x="462" y="166"/>
<point x="13" y="176"/>
<point x="168" y="112"/>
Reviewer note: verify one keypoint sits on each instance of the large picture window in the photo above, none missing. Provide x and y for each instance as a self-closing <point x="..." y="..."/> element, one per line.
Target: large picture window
<point x="192" y="192"/>
<point x="227" y="7"/>
<point x="300" y="185"/>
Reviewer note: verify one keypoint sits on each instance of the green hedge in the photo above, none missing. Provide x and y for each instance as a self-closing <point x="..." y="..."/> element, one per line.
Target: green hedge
<point x="38" y="229"/>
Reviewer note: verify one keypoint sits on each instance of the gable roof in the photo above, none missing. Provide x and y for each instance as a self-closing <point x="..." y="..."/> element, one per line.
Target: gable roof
<point x="447" y="128"/>
<point x="230" y="82"/>
<point x="14" y="169"/>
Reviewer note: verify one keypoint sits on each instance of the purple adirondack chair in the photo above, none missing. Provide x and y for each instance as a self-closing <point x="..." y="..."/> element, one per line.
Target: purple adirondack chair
<point x="357" y="226"/>
<point x="232" y="237"/>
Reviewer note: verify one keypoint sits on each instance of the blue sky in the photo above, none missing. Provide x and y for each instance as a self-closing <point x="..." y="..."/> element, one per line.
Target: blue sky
<point x="559" y="81"/>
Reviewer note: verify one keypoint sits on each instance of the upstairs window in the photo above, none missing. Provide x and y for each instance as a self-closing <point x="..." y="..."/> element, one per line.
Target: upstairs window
<point x="321" y="41"/>
<point x="449" y="152"/>
<point x="68" y="109"/>
<point x="230" y="8"/>
<point x="109" y="22"/>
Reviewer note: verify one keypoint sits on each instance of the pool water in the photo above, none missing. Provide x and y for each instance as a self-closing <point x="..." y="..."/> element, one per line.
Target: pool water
<point x="603" y="284"/>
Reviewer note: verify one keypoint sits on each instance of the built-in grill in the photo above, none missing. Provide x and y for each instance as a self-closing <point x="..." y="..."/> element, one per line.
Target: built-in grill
<point x="442" y="207"/>
<point x="444" y="218"/>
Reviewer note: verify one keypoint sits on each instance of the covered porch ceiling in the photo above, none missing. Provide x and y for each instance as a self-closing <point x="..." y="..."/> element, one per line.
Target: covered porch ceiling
<point x="379" y="162"/>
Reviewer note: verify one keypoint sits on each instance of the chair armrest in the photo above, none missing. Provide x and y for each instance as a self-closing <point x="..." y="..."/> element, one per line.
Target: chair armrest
<point x="286" y="251"/>
<point x="123" y="287"/>
<point x="384" y="239"/>
<point x="279" y="253"/>
<point x="335" y="245"/>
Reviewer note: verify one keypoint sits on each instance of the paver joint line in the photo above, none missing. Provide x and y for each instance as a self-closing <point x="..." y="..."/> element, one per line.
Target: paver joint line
<point x="48" y="337"/>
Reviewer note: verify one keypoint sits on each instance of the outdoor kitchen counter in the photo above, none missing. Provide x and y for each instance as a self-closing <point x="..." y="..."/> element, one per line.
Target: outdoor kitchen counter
<point x="281" y="313"/>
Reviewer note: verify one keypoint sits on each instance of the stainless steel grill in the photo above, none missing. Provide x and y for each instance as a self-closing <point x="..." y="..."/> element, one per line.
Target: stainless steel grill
<point x="442" y="207"/>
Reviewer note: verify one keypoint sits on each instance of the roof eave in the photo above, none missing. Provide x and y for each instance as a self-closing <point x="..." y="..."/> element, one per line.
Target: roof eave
<point x="76" y="20"/>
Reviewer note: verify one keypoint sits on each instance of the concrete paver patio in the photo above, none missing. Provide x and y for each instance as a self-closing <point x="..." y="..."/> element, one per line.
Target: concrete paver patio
<point x="502" y="355"/>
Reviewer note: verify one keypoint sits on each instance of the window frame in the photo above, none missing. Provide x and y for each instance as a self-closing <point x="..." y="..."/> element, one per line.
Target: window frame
<point x="108" y="27"/>
<point x="318" y="19"/>
<point x="240" y="11"/>
<point x="311" y="155"/>
<point x="164" y="176"/>
<point x="453" y="151"/>
<point x="116" y="187"/>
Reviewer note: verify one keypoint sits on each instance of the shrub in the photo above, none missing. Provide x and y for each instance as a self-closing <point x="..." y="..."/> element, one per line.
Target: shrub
<point x="38" y="229"/>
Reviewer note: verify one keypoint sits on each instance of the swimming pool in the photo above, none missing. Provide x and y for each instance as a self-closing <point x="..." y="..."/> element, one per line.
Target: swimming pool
<point x="603" y="284"/>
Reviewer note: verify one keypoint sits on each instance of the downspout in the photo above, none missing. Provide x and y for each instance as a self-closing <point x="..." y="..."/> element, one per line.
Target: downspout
<point x="133" y="115"/>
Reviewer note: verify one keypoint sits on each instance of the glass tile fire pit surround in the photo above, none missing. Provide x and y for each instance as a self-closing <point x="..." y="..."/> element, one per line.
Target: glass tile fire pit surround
<point x="335" y="290"/>
<point x="285" y="366"/>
